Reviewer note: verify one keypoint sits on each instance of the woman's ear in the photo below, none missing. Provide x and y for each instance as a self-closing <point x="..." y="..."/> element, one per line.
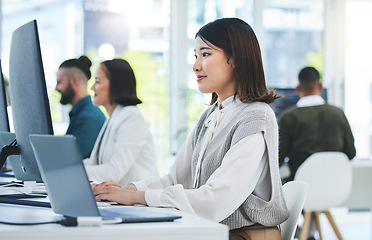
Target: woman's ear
<point x="230" y="61"/>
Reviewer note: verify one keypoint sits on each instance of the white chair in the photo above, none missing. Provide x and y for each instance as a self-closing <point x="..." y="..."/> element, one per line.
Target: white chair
<point x="295" y="196"/>
<point x="329" y="178"/>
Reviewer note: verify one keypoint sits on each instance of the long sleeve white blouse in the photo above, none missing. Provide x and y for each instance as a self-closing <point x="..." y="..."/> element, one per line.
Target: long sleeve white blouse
<point x="225" y="190"/>
<point x="124" y="151"/>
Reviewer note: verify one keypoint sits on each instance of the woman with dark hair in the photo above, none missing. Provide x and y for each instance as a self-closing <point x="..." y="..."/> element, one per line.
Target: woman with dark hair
<point x="124" y="150"/>
<point x="227" y="170"/>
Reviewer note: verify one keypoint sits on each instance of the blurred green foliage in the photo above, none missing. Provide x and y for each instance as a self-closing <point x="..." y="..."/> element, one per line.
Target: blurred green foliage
<point x="316" y="60"/>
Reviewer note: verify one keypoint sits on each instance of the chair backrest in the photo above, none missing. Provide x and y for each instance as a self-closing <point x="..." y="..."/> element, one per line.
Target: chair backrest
<point x="295" y="195"/>
<point x="329" y="177"/>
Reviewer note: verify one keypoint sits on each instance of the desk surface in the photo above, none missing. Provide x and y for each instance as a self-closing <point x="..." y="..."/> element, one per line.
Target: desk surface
<point x="186" y="228"/>
<point x="361" y="192"/>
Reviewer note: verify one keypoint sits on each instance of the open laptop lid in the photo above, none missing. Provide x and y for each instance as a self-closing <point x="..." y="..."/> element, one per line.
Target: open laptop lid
<point x="66" y="181"/>
<point x="67" y="184"/>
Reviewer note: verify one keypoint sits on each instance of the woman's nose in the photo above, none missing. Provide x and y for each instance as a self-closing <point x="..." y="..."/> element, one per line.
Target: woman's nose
<point x="196" y="67"/>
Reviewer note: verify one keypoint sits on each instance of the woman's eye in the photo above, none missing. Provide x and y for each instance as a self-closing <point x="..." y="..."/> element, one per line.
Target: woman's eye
<point x="205" y="54"/>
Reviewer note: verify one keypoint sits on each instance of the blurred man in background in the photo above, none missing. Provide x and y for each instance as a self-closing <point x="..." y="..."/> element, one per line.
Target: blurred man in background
<point x="86" y="120"/>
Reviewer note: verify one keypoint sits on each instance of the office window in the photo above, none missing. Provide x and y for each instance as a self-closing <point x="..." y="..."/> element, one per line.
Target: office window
<point x="102" y="29"/>
<point x="199" y="14"/>
<point x="293" y="39"/>
<point x="290" y="33"/>
<point x="60" y="25"/>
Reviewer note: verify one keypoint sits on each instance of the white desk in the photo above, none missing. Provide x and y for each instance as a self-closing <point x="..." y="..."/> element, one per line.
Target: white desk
<point x="186" y="228"/>
<point x="361" y="192"/>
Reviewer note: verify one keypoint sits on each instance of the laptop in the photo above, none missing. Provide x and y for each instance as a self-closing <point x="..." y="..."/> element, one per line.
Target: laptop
<point x="62" y="170"/>
<point x="15" y="161"/>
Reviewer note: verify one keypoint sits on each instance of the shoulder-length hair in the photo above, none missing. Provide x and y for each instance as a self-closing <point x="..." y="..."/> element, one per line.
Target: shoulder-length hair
<point x="122" y="82"/>
<point x="238" y="41"/>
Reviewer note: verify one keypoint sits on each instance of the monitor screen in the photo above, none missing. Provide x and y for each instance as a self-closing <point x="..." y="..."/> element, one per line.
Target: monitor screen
<point x="28" y="93"/>
<point x="289" y="99"/>
<point x="4" y="120"/>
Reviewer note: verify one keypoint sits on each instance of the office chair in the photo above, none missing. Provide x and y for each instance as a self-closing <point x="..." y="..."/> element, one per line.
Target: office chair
<point x="329" y="179"/>
<point x="295" y="195"/>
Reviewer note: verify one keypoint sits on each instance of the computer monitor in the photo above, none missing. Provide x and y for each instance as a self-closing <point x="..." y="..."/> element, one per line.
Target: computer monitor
<point x="289" y="99"/>
<point x="28" y="93"/>
<point x="4" y="120"/>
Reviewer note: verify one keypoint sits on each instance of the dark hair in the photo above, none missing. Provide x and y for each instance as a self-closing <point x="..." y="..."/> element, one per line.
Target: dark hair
<point x="83" y="63"/>
<point x="308" y="78"/>
<point x="122" y="82"/>
<point x="238" y="41"/>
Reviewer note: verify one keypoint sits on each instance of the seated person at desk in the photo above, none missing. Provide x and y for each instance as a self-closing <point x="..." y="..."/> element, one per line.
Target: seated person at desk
<point x="312" y="125"/>
<point x="227" y="171"/>
<point x="124" y="150"/>
<point x="86" y="120"/>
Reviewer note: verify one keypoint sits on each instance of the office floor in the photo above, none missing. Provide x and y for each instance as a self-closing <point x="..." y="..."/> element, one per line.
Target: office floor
<point x="353" y="225"/>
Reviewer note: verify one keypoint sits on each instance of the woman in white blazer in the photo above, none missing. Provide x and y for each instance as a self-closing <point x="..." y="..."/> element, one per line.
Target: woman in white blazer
<point x="124" y="150"/>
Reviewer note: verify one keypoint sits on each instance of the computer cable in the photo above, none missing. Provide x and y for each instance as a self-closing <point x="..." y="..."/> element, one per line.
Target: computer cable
<point x="7" y="150"/>
<point x="65" y="221"/>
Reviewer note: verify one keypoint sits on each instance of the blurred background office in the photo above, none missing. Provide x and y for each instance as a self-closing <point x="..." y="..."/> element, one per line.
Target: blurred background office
<point x="157" y="38"/>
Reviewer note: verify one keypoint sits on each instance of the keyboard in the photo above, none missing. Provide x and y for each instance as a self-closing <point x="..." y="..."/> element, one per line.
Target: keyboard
<point x="135" y="215"/>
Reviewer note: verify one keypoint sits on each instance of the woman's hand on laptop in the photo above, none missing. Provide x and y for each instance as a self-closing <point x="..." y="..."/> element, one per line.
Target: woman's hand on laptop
<point x="113" y="192"/>
<point x="107" y="183"/>
<point x="131" y="186"/>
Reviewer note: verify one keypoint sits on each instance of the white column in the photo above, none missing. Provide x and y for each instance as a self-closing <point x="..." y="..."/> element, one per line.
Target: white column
<point x="258" y="26"/>
<point x="334" y="51"/>
<point x="358" y="80"/>
<point x="178" y="74"/>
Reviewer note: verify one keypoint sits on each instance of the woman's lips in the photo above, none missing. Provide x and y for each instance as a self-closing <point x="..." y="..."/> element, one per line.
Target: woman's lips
<point x="200" y="77"/>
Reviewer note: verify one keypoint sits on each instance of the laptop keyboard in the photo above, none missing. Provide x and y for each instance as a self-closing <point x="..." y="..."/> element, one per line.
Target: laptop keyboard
<point x="124" y="213"/>
<point x="133" y="215"/>
<point x="110" y="214"/>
